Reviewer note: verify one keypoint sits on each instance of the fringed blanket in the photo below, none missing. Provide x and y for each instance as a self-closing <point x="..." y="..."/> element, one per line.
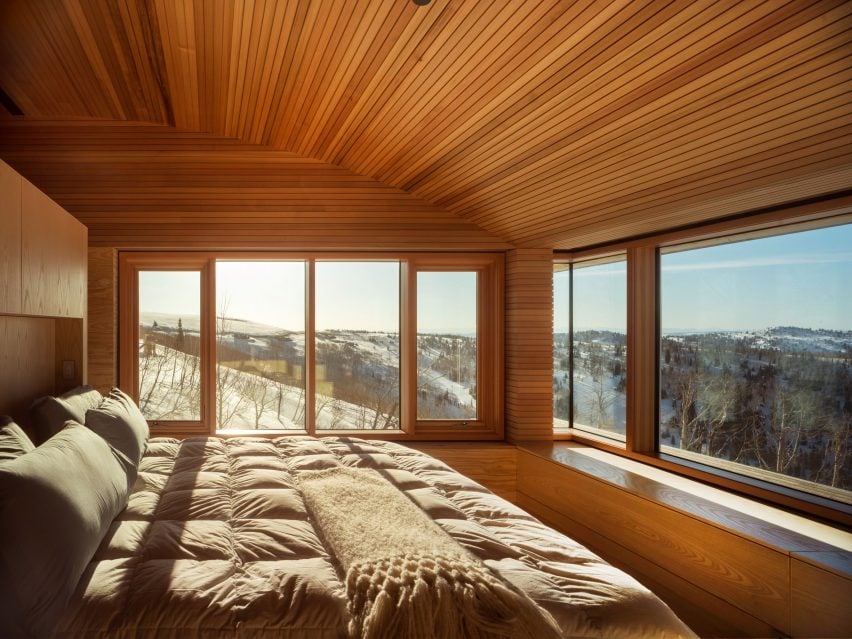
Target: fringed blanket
<point x="406" y="577"/>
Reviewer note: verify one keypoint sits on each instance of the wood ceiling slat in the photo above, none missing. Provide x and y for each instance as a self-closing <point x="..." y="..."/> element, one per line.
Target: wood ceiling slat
<point x="438" y="56"/>
<point x="557" y="123"/>
<point x="713" y="95"/>
<point x="740" y="176"/>
<point x="635" y="94"/>
<point x="177" y="34"/>
<point x="648" y="128"/>
<point x="795" y="106"/>
<point x="663" y="178"/>
<point x="824" y="178"/>
<point x="516" y="98"/>
<point x="367" y="95"/>
<point x="589" y="82"/>
<point x="356" y="67"/>
<point x="314" y="68"/>
<point x="758" y="164"/>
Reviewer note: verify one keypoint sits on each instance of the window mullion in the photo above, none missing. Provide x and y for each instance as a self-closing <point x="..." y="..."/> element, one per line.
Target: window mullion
<point x="641" y="349"/>
<point x="310" y="349"/>
<point x="408" y="346"/>
<point x="207" y="325"/>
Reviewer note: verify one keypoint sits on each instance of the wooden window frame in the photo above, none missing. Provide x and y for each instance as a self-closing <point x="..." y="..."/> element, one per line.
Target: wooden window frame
<point x="587" y="432"/>
<point x="490" y="274"/>
<point x="130" y="264"/>
<point x="643" y="328"/>
<point x="489" y="350"/>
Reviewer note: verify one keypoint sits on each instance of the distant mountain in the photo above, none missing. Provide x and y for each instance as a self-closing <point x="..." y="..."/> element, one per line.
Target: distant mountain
<point x="783" y="338"/>
<point x="191" y="323"/>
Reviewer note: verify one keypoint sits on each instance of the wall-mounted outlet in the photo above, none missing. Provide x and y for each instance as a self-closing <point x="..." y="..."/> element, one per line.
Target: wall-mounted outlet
<point x="69" y="369"/>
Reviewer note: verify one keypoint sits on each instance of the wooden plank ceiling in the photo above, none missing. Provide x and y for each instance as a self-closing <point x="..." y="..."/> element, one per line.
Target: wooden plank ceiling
<point x="542" y="124"/>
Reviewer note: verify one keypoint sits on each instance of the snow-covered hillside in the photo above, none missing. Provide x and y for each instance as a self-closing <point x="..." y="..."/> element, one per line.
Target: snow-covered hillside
<point x="357" y="374"/>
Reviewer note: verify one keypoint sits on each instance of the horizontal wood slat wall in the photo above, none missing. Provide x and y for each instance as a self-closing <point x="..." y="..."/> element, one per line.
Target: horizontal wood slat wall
<point x="103" y="318"/>
<point x="545" y="123"/>
<point x="139" y="187"/>
<point x="529" y="344"/>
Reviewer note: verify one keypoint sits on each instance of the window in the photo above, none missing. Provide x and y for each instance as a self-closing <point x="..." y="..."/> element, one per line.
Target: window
<point x="446" y="345"/>
<point x="739" y="370"/>
<point x="169" y="362"/>
<point x="590" y="347"/>
<point x="260" y="345"/>
<point x="357" y="345"/>
<point x="406" y="345"/>
<point x="756" y="355"/>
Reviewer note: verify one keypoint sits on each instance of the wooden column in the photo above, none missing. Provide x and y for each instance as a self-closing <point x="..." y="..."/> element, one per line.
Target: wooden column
<point x="641" y="348"/>
<point x="103" y="318"/>
<point x="529" y="344"/>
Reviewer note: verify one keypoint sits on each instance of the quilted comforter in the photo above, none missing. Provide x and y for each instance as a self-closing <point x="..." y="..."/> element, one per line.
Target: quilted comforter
<point x="216" y="541"/>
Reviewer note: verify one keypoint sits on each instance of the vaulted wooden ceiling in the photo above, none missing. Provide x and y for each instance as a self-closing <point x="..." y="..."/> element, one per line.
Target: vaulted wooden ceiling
<point x="551" y="124"/>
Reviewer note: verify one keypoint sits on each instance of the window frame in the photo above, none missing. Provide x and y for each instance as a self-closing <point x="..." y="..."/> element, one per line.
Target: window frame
<point x="593" y="434"/>
<point x="489" y="345"/>
<point x="489" y="267"/>
<point x="643" y="339"/>
<point x="128" y="295"/>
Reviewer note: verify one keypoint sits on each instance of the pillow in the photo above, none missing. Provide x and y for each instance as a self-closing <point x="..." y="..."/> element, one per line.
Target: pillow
<point x="120" y="422"/>
<point x="56" y="504"/>
<point x="49" y="414"/>
<point x="13" y="441"/>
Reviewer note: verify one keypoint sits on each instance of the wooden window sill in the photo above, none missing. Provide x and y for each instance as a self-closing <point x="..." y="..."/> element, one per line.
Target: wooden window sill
<point x="817" y="543"/>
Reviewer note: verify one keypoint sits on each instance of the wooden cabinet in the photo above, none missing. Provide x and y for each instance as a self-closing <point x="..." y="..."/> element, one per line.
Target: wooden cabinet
<point x="54" y="257"/>
<point x="43" y="265"/>
<point x="10" y="240"/>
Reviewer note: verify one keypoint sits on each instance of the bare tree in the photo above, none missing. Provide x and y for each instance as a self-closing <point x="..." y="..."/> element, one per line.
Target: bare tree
<point x="228" y="399"/>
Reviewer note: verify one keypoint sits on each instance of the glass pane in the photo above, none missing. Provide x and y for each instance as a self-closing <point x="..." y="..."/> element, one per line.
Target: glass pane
<point x="600" y="347"/>
<point x="169" y="345"/>
<point x="561" y="346"/>
<point x="357" y="345"/>
<point x="446" y="345"/>
<point x="756" y="354"/>
<point x="260" y="345"/>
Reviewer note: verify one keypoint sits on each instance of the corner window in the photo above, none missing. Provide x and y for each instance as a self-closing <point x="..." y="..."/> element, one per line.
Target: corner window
<point x="590" y="347"/>
<point x="756" y="357"/>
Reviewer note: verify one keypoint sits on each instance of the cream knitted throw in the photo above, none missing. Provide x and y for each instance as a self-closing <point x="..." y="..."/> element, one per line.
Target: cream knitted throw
<point x="405" y="576"/>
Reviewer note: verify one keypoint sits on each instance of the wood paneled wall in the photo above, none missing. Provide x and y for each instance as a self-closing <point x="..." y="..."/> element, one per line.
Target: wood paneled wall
<point x="10" y="240"/>
<point x="27" y="363"/>
<point x="53" y="246"/>
<point x="529" y="344"/>
<point x="103" y="318"/>
<point x="137" y="186"/>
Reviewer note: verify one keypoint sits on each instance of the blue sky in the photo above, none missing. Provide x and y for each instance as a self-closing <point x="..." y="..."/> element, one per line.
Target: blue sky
<point x="600" y="298"/>
<point x="349" y="295"/>
<point x="799" y="279"/>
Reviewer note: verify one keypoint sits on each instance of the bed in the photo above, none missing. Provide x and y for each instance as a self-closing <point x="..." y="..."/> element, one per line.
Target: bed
<point x="232" y="537"/>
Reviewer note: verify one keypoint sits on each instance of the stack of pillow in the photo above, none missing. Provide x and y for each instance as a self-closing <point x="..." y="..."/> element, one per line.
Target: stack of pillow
<point x="57" y="499"/>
